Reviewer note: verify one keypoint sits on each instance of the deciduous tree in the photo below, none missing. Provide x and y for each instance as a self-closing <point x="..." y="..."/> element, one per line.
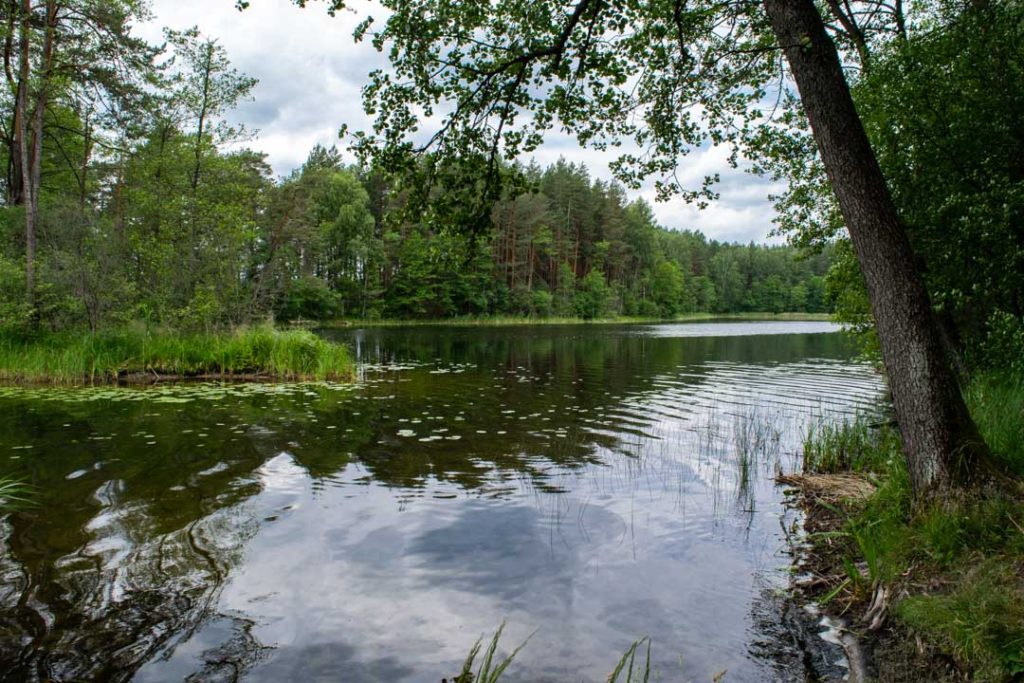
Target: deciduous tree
<point x="672" y="75"/>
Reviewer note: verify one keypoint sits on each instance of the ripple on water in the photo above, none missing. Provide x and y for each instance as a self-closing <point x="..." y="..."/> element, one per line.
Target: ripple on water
<point x="585" y="483"/>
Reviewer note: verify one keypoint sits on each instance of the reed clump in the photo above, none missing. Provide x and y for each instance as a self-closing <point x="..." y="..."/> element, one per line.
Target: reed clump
<point x="628" y="670"/>
<point x="140" y="354"/>
<point x="14" y="494"/>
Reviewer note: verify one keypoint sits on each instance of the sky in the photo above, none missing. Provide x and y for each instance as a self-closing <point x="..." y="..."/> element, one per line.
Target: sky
<point x="311" y="73"/>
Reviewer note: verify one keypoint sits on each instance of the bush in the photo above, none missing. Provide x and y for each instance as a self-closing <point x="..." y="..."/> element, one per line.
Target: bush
<point x="1003" y="345"/>
<point x="542" y="303"/>
<point x="592" y="296"/>
<point x="308" y="298"/>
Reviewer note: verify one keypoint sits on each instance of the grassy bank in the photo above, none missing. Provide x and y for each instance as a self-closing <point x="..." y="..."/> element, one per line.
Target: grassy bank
<point x="937" y="589"/>
<point x="512" y="321"/>
<point x="127" y="354"/>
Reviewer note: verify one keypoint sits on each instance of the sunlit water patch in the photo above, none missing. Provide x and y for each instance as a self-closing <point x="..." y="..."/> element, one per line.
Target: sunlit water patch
<point x="595" y="485"/>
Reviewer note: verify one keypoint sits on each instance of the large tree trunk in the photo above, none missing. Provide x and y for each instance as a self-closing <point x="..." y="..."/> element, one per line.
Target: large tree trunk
<point x="940" y="441"/>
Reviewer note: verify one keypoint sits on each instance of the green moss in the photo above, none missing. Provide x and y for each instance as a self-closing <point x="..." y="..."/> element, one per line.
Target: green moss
<point x="101" y="357"/>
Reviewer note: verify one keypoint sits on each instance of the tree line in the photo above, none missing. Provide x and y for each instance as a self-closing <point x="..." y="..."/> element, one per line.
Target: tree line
<point x="335" y="244"/>
<point x="128" y="196"/>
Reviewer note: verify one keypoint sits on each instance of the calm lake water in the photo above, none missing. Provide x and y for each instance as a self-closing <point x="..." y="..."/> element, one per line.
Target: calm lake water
<point x="593" y="485"/>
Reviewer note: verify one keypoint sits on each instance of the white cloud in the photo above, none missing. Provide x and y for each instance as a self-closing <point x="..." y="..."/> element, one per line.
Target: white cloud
<point x="311" y="73"/>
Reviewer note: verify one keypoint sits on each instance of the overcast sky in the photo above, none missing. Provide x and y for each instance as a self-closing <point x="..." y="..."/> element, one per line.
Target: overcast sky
<point x="310" y="75"/>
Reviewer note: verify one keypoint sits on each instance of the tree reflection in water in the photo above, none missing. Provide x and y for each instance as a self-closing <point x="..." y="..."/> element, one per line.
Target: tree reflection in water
<point x="212" y="533"/>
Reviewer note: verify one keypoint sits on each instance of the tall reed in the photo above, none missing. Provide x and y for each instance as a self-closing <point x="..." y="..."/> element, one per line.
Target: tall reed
<point x="69" y="358"/>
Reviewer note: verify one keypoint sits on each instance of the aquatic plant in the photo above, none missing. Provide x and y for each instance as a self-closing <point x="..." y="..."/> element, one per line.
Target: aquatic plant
<point x="14" y="494"/>
<point x="488" y="672"/>
<point x="102" y="357"/>
<point x="627" y="662"/>
<point x="855" y="446"/>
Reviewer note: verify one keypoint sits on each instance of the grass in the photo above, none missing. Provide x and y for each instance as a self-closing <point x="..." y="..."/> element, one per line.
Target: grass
<point x="488" y="671"/>
<point x="628" y="669"/>
<point x="857" y="446"/>
<point x="81" y="358"/>
<point x="514" y="321"/>
<point x="956" y="568"/>
<point x="628" y="662"/>
<point x="14" y="494"/>
<point x="756" y="443"/>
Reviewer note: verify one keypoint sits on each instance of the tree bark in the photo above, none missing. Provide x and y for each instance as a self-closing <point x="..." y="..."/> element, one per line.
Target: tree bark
<point x="942" y="446"/>
<point x="83" y="178"/>
<point x="42" y="97"/>
<point x="12" y="11"/>
<point x="20" y="116"/>
<point x="204" y="106"/>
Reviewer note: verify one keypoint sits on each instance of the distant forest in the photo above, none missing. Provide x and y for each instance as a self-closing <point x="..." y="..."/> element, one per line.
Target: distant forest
<point x="326" y="243"/>
<point x="571" y="246"/>
<point x="127" y="197"/>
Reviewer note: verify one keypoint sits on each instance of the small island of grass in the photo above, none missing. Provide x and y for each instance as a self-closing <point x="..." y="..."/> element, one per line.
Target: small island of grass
<point x="146" y="355"/>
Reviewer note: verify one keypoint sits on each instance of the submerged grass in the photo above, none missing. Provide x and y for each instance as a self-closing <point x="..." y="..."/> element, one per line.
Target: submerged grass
<point x="14" y="494"/>
<point x="951" y="572"/>
<point x="77" y="358"/>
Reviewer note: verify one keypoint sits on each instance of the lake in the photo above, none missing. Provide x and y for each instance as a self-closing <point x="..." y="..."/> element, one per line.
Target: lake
<point x="590" y="485"/>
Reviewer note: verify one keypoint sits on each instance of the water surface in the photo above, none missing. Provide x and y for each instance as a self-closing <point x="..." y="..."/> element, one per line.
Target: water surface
<point x="591" y="484"/>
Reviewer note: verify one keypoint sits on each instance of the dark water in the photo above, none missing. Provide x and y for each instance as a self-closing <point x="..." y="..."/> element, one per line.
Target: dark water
<point x="592" y="484"/>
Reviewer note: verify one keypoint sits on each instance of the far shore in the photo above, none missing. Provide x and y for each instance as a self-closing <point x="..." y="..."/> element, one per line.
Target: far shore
<point x="516" y="321"/>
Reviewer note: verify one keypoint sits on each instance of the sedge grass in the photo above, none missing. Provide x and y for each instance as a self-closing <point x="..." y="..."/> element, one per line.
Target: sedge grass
<point x="488" y="671"/>
<point x="82" y="358"/>
<point x="627" y="670"/>
<point x="627" y="663"/>
<point x="855" y="446"/>
<point x="14" y="494"/>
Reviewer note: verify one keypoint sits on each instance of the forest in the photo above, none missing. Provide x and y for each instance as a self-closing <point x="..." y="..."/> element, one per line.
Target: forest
<point x="569" y="247"/>
<point x="144" y="236"/>
<point x="128" y="197"/>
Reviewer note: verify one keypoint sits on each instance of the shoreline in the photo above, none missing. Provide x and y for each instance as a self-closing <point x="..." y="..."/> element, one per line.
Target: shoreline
<point x="834" y="649"/>
<point x="861" y="631"/>
<point x="512" y="321"/>
<point x="914" y="589"/>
